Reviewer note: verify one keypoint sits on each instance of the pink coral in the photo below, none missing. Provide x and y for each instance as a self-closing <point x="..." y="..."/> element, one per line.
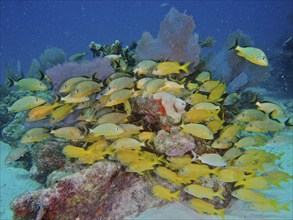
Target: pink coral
<point x="176" y="40"/>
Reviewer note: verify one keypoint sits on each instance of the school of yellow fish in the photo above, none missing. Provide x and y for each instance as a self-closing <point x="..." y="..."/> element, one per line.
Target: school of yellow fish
<point x="106" y="132"/>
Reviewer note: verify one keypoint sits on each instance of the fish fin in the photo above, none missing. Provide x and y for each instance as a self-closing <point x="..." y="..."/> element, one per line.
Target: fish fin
<point x="233" y="47"/>
<point x="95" y="78"/>
<point x="176" y="195"/>
<point x="239" y="182"/>
<point x="288" y="122"/>
<point x="284" y="206"/>
<point x="10" y="82"/>
<point x="271" y="117"/>
<point x="185" y="67"/>
<point x="42" y="75"/>
<point x="220" y="192"/>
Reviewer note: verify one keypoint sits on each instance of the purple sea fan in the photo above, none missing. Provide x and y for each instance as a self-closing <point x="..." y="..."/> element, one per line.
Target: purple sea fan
<point x="176" y="40"/>
<point x="62" y="72"/>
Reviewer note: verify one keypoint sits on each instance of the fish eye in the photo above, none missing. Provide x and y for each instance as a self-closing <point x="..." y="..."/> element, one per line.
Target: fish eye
<point x="77" y="91"/>
<point x="250" y="125"/>
<point x="117" y="128"/>
<point x="65" y="86"/>
<point x="243" y="115"/>
<point x="27" y="117"/>
<point x="27" y="136"/>
<point x="53" y="119"/>
<point x="37" y="99"/>
<point x="263" y="58"/>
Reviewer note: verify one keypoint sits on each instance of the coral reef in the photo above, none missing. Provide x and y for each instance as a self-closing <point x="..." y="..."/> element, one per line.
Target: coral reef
<point x="176" y="41"/>
<point x="98" y="192"/>
<point x="61" y="72"/>
<point x="135" y="141"/>
<point x="175" y="143"/>
<point x="51" y="57"/>
<point x="47" y="157"/>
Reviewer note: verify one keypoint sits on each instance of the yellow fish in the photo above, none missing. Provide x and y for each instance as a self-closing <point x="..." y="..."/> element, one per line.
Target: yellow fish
<point x="200" y="115"/>
<point x="229" y="133"/>
<point x="126" y="155"/>
<point x="107" y="129"/>
<point x="167" y="68"/>
<point x="146" y="136"/>
<point x="152" y="86"/>
<point x="41" y="112"/>
<point x="178" y="163"/>
<point x="61" y="112"/>
<point x="31" y="84"/>
<point x="203" y="207"/>
<point x="208" y="86"/>
<point x="144" y="67"/>
<point x="198" y="130"/>
<point x="274" y="109"/>
<point x="169" y="175"/>
<point x="248" y="195"/>
<point x="222" y="144"/>
<point x="77" y="57"/>
<point x="215" y="125"/>
<point x="203" y="77"/>
<point x="71" y="133"/>
<point x="256" y="182"/>
<point x="35" y="135"/>
<point x="251" y="54"/>
<point x="69" y="84"/>
<point x="140" y="84"/>
<point x="164" y="193"/>
<point x="230" y="175"/>
<point x="127" y="143"/>
<point x="276" y="176"/>
<point x="26" y="103"/>
<point x="232" y="153"/>
<point x="250" y="141"/>
<point x="85" y="88"/>
<point x="88" y="115"/>
<point x="196" y="170"/>
<point x="206" y="106"/>
<point x="119" y="97"/>
<point x="263" y="126"/>
<point x="217" y="93"/>
<point x="196" y="98"/>
<point x="113" y="117"/>
<point x="139" y="166"/>
<point x="250" y="115"/>
<point x="70" y="99"/>
<point x="203" y="192"/>
<point x="270" y="205"/>
<point x="119" y="83"/>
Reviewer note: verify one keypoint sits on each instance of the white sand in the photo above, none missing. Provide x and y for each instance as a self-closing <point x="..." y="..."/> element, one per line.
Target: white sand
<point x="14" y="181"/>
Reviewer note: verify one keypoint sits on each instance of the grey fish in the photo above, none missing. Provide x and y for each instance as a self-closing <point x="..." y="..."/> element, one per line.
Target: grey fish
<point x="15" y="154"/>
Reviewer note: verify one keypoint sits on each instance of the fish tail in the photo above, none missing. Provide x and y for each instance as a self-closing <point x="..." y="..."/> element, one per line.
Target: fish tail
<point x="288" y="122"/>
<point x="42" y="75"/>
<point x="10" y="82"/>
<point x="284" y="206"/>
<point x="239" y="182"/>
<point x="220" y="212"/>
<point x="233" y="47"/>
<point x="176" y="195"/>
<point x="220" y="192"/>
<point x="185" y="67"/>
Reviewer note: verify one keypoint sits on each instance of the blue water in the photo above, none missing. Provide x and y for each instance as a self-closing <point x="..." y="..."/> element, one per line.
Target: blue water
<point x="29" y="27"/>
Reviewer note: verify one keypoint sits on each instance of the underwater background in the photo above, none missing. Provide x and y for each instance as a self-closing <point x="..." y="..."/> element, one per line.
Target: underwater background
<point x="67" y="28"/>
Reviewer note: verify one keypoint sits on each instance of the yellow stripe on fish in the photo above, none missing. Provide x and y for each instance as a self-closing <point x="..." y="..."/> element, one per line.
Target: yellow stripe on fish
<point x="251" y="54"/>
<point x="26" y="103"/>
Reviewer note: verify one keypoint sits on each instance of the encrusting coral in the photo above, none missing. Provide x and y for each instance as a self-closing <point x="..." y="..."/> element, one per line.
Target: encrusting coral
<point x="140" y="140"/>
